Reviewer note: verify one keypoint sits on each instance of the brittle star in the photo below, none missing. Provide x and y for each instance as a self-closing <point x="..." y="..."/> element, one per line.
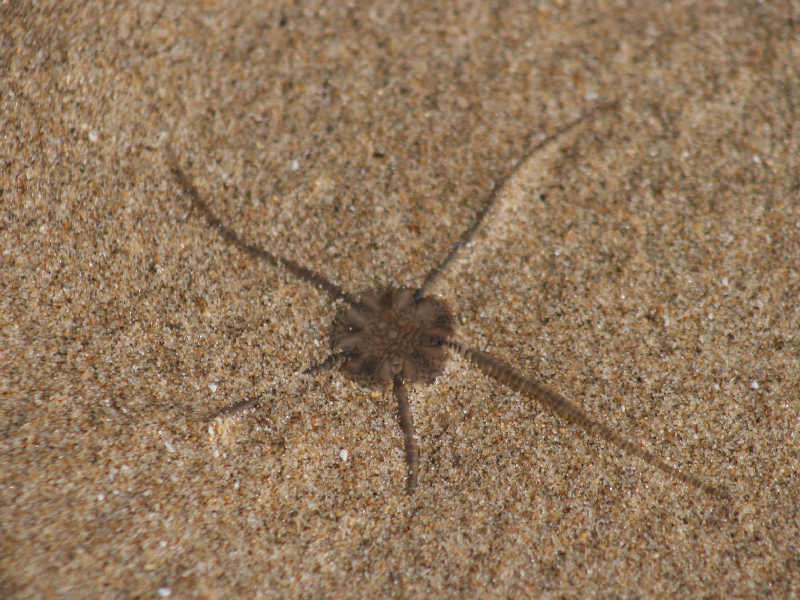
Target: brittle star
<point x="400" y="337"/>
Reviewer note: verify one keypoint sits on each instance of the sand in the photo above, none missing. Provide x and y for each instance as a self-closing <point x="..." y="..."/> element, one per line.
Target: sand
<point x="644" y="262"/>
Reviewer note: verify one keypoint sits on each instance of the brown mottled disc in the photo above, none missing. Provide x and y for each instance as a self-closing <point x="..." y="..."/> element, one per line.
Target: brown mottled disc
<point x="388" y="333"/>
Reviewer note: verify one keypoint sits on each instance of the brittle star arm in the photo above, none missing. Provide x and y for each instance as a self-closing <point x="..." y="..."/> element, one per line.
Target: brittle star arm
<point x="505" y="374"/>
<point x="234" y="408"/>
<point x="228" y="235"/>
<point x="499" y="185"/>
<point x="326" y="364"/>
<point x="407" y="425"/>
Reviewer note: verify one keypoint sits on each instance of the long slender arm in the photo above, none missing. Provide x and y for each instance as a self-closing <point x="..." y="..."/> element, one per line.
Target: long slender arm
<point x="236" y="407"/>
<point x="505" y="374"/>
<point x="407" y="424"/>
<point x="326" y="364"/>
<point x="228" y="235"/>
<point x="499" y="185"/>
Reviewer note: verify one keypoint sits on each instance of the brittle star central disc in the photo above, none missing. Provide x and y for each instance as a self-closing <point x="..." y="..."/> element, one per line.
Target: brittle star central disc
<point x="390" y="333"/>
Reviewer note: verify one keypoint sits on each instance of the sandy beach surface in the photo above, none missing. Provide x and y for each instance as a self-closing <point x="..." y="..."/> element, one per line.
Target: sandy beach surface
<point x="642" y="257"/>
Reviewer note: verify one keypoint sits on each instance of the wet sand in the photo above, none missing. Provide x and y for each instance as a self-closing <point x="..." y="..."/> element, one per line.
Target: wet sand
<point x="643" y="263"/>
